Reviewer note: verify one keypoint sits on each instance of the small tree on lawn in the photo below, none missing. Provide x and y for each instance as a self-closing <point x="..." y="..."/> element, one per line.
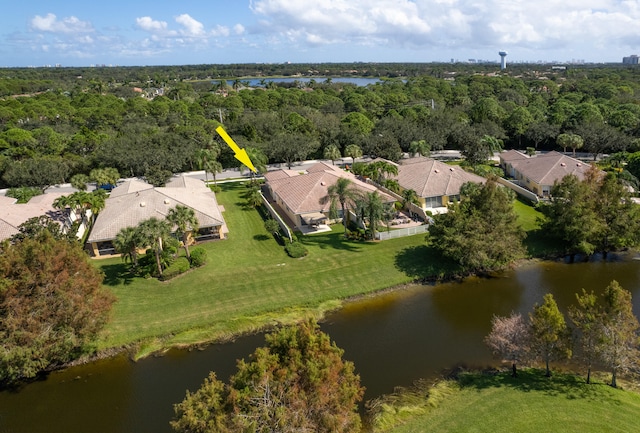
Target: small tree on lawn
<point x="587" y="319"/>
<point x="509" y="339"/>
<point x="549" y="338"/>
<point x="272" y="226"/>
<point x="620" y="331"/>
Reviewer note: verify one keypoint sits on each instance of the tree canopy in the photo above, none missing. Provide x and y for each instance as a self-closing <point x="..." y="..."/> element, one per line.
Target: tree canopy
<point x="480" y="233"/>
<point x="297" y="382"/>
<point x="52" y="305"/>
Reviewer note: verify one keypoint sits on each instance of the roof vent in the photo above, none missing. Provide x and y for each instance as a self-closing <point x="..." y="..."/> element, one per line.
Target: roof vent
<point x="436" y="170"/>
<point x="167" y="201"/>
<point x="323" y="183"/>
<point x="142" y="204"/>
<point x="450" y="168"/>
<point x="578" y="165"/>
<point x="562" y="164"/>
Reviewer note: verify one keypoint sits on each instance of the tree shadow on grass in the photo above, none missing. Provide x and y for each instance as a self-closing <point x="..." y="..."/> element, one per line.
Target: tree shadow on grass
<point x="115" y="275"/>
<point x="539" y="244"/>
<point x="330" y="240"/>
<point x="569" y="386"/>
<point x="261" y="237"/>
<point x="424" y="263"/>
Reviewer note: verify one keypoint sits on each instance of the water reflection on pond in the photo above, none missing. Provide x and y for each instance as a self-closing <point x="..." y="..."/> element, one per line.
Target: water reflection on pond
<point x="393" y="339"/>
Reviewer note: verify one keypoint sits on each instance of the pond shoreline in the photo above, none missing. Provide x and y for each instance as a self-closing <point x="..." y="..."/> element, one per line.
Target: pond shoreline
<point x="134" y="353"/>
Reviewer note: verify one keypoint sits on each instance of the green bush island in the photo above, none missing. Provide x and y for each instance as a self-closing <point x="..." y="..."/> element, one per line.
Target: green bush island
<point x="179" y="266"/>
<point x="296" y="250"/>
<point x="198" y="257"/>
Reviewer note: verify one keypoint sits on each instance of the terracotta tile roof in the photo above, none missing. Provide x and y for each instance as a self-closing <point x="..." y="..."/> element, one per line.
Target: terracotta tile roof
<point x="134" y="203"/>
<point x="13" y="214"/>
<point x="547" y="168"/>
<point x="512" y="155"/>
<point x="304" y="193"/>
<point x="431" y="178"/>
<point x="280" y="174"/>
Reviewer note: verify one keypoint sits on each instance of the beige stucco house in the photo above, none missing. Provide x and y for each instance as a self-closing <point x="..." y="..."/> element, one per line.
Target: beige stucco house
<point x="539" y="173"/>
<point x="301" y="195"/>
<point x="135" y="201"/>
<point x="13" y="214"/>
<point x="437" y="184"/>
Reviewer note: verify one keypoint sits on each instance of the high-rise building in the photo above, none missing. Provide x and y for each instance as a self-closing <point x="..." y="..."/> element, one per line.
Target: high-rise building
<point x="631" y="60"/>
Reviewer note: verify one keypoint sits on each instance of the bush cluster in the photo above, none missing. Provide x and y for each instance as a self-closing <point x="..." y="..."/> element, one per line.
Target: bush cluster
<point x="179" y="266"/>
<point x="198" y="257"/>
<point x="296" y="250"/>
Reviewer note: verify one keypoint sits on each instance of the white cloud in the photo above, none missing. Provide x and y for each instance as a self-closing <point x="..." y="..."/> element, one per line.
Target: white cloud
<point x="50" y="23"/>
<point x="150" y="25"/>
<point x="238" y="29"/>
<point x="546" y="24"/>
<point x="191" y="26"/>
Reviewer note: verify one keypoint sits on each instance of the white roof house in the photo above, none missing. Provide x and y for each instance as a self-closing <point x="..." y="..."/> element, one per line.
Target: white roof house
<point x="135" y="201"/>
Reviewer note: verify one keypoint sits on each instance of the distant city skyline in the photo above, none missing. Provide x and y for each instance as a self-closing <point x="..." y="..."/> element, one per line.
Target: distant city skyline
<point x="80" y="33"/>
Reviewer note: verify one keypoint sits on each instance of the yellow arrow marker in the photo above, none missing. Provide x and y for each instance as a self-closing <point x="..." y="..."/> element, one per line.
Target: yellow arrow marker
<point x="240" y="154"/>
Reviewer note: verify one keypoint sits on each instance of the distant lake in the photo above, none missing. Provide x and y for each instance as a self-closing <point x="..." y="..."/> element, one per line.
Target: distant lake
<point x="256" y="82"/>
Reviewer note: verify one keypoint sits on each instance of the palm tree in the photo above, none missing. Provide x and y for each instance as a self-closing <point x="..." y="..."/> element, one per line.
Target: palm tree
<point x="203" y="158"/>
<point x="332" y="152"/>
<point x="342" y="191"/>
<point x="353" y="151"/>
<point x="79" y="181"/>
<point x="253" y="196"/>
<point x="152" y="232"/>
<point x="214" y="166"/>
<point x="492" y="144"/>
<point x="373" y="208"/>
<point x="127" y="242"/>
<point x="380" y="170"/>
<point x="410" y="196"/>
<point x="184" y="218"/>
<point x="258" y="159"/>
<point x="419" y="148"/>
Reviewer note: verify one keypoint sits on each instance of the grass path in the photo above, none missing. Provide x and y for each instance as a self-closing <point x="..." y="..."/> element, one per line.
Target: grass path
<point x="249" y="280"/>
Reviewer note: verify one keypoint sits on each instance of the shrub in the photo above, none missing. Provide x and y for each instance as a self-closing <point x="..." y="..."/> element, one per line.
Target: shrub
<point x="296" y="250"/>
<point x="179" y="266"/>
<point x="198" y="257"/>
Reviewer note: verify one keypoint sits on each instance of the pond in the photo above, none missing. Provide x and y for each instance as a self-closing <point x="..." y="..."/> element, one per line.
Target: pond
<point x="258" y="82"/>
<point x="393" y="338"/>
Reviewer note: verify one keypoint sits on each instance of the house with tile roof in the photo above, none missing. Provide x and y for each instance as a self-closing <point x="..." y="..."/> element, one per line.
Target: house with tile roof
<point x="301" y="195"/>
<point x="135" y="201"/>
<point x="437" y="184"/>
<point x="13" y="214"/>
<point x="538" y="173"/>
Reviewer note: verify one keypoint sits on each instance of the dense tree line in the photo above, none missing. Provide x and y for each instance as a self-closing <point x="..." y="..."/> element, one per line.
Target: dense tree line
<point x="605" y="332"/>
<point x="74" y="120"/>
<point x="592" y="215"/>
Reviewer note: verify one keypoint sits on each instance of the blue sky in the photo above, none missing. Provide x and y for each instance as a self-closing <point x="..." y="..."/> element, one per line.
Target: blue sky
<point x="143" y="32"/>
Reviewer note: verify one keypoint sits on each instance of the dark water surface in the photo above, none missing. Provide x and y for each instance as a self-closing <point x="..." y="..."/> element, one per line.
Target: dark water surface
<point x="393" y="339"/>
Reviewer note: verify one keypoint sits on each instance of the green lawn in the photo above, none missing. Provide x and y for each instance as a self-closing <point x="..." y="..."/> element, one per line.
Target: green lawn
<point x="531" y="403"/>
<point x="536" y="243"/>
<point x="249" y="281"/>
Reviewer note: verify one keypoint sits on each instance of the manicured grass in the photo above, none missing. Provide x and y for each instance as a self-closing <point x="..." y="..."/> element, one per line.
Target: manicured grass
<point x="529" y="403"/>
<point x="537" y="244"/>
<point x="250" y="282"/>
